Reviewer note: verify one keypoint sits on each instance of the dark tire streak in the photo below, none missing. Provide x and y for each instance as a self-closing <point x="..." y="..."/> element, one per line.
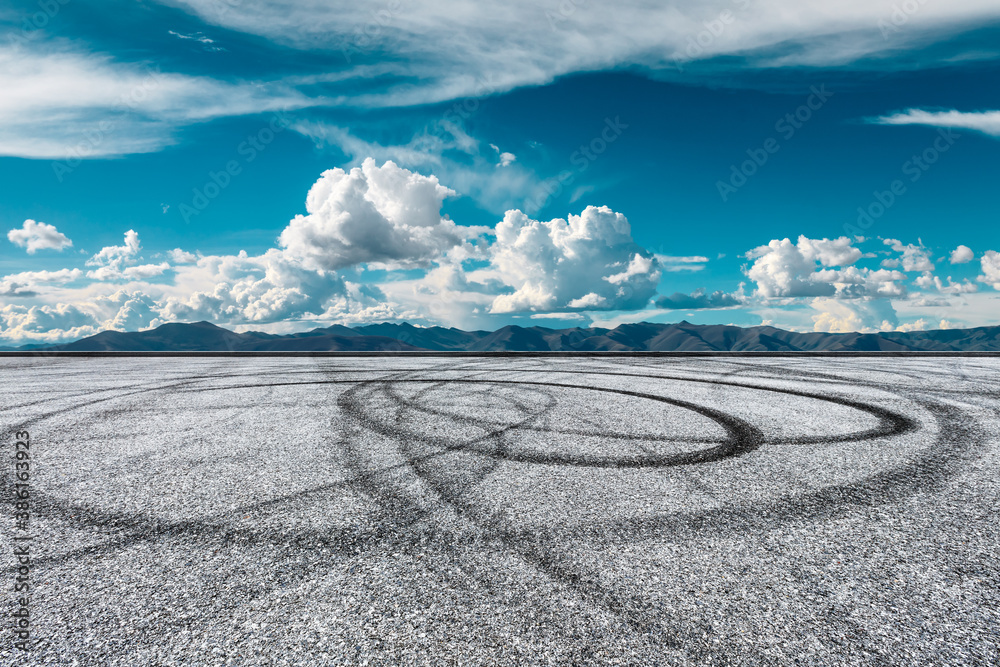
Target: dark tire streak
<point x="452" y="470"/>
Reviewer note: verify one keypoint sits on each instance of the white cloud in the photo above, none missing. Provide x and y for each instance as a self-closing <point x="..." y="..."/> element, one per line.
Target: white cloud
<point x="987" y="122"/>
<point x="845" y="316"/>
<point x="122" y="310"/>
<point x="117" y="254"/>
<point x="63" y="103"/>
<point x="928" y="281"/>
<point x="700" y="299"/>
<point x="243" y="289"/>
<point x="506" y="159"/>
<point x="444" y="149"/>
<point x="689" y="259"/>
<point x="914" y="257"/>
<point x="918" y="325"/>
<point x="530" y="43"/>
<point x="786" y="269"/>
<point x="178" y="256"/>
<point x="37" y="236"/>
<point x="591" y="300"/>
<point x="207" y="43"/>
<point x="120" y="262"/>
<point x="990" y="263"/>
<point x="9" y="288"/>
<point x="586" y="260"/>
<point x="675" y="264"/>
<point x="962" y="254"/>
<point x="639" y="265"/>
<point x="28" y="283"/>
<point x="381" y="214"/>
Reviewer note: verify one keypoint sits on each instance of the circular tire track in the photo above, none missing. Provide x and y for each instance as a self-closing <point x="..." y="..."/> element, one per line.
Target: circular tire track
<point x="424" y="456"/>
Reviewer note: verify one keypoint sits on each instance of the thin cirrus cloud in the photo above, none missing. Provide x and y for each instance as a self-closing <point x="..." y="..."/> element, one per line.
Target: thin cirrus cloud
<point x="987" y="122"/>
<point x="530" y="43"/>
<point x="62" y="102"/>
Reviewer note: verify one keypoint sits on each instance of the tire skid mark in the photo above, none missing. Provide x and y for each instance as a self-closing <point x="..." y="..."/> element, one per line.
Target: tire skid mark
<point x="927" y="472"/>
<point x="541" y="556"/>
<point x="891" y="423"/>
<point x="427" y="459"/>
<point x="741" y="438"/>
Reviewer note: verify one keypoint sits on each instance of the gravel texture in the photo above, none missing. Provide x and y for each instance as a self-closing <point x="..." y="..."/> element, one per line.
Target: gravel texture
<point x="532" y="511"/>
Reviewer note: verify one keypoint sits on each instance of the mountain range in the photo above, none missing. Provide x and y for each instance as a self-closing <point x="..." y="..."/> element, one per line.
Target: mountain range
<point x="639" y="337"/>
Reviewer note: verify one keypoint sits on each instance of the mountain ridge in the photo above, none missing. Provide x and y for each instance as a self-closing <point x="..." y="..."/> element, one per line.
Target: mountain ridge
<point x="633" y="337"/>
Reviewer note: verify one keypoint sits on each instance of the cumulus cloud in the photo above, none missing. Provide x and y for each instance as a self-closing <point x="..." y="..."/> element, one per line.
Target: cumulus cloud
<point x="178" y="256"/>
<point x="917" y="325"/>
<point x="912" y="257"/>
<point x="929" y="281"/>
<point x="35" y="236"/>
<point x="54" y="323"/>
<point x="117" y="253"/>
<point x="61" y="276"/>
<point x="120" y="262"/>
<point x="585" y="261"/>
<point x="786" y="269"/>
<point x="962" y="255"/>
<point x="381" y="214"/>
<point x="506" y="159"/>
<point x="700" y="300"/>
<point x="266" y="288"/>
<point x="845" y="316"/>
<point x="990" y="263"/>
<point x="987" y="122"/>
<point x="28" y="283"/>
<point x="11" y="288"/>
<point x="444" y="149"/>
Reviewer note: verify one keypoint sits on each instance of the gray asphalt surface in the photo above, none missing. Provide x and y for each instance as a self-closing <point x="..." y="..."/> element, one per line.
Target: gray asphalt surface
<point x="508" y="511"/>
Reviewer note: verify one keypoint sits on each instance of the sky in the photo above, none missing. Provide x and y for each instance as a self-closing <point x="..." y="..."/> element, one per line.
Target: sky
<point x="282" y="165"/>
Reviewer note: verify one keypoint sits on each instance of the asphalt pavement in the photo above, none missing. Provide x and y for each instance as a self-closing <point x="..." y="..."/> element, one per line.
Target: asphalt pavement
<point x="521" y="511"/>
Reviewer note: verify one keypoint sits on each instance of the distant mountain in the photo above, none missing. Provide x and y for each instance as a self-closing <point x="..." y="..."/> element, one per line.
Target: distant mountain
<point x="642" y="336"/>
<point x="206" y="337"/>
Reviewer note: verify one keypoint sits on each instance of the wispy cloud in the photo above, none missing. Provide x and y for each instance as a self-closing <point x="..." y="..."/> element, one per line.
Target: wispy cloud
<point x="531" y="43"/>
<point x="63" y="103"/>
<point x="987" y="122"/>
<point x="444" y="148"/>
<point x="207" y="43"/>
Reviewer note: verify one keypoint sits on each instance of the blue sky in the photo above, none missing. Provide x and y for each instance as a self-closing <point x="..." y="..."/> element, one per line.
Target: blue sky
<point x="277" y="165"/>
